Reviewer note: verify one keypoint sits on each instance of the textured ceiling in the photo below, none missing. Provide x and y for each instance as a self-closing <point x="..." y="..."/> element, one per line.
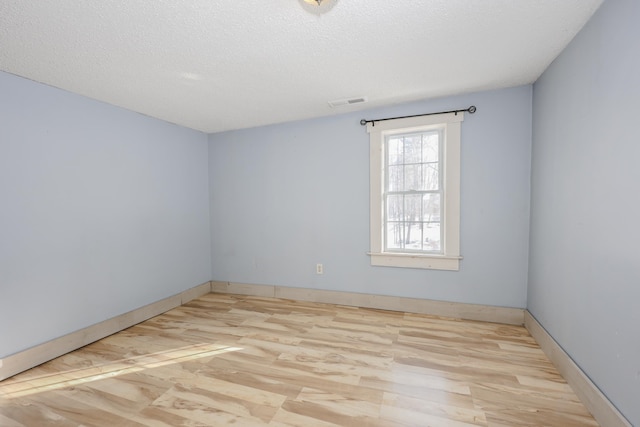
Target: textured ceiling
<point x="216" y="65"/>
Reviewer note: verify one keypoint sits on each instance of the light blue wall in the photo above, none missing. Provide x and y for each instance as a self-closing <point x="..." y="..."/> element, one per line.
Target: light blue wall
<point x="584" y="279"/>
<point x="101" y="211"/>
<point x="289" y="196"/>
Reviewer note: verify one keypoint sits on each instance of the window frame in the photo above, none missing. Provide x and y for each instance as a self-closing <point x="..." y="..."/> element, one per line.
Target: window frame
<point x="449" y="259"/>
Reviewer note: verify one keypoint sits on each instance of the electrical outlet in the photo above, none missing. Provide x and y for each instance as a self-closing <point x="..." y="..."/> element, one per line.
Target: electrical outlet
<point x="319" y="269"/>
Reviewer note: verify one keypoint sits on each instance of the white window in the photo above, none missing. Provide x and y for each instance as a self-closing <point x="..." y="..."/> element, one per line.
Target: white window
<point x="415" y="191"/>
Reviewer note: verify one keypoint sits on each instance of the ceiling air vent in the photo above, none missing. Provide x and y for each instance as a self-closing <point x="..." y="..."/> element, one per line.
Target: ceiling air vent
<point x="340" y="102"/>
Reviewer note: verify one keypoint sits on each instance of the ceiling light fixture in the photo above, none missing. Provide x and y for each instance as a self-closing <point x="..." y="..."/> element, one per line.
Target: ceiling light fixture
<point x="317" y="7"/>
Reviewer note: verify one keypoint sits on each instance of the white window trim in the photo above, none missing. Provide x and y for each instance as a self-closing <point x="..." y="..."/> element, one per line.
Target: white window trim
<point x="450" y="258"/>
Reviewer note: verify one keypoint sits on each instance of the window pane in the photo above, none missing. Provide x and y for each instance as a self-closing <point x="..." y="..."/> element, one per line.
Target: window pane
<point x="412" y="207"/>
<point x="432" y="237"/>
<point x="431" y="177"/>
<point x="395" y="178"/>
<point x="413" y="237"/>
<point x="431" y="208"/>
<point x="395" y="149"/>
<point x="395" y="235"/>
<point x="394" y="208"/>
<point x="413" y="148"/>
<point x="421" y="177"/>
<point x="430" y="147"/>
<point x="413" y="179"/>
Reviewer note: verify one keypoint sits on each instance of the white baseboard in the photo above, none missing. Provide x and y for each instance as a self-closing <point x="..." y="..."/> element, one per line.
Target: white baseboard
<point x="34" y="356"/>
<point x="486" y="313"/>
<point x="595" y="401"/>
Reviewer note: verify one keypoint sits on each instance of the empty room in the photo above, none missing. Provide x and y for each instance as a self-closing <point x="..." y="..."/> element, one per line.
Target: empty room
<point x="319" y="213"/>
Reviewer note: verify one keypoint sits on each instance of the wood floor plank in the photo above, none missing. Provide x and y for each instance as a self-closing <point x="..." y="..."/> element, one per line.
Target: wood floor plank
<point x="444" y="410"/>
<point x="257" y="361"/>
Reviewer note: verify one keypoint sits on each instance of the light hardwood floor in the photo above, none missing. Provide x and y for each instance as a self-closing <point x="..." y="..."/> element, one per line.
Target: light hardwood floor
<point x="248" y="361"/>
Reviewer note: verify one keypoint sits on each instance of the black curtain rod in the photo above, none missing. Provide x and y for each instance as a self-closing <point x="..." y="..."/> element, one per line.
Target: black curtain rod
<point x="470" y="110"/>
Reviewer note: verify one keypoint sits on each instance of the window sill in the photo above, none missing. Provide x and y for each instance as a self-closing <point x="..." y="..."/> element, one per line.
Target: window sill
<point x="432" y="262"/>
